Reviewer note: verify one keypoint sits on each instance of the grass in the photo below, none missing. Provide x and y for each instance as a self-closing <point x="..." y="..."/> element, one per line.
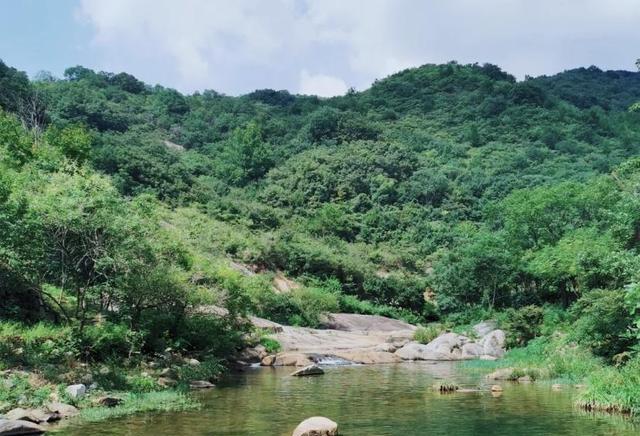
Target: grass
<point x="163" y="401"/>
<point x="607" y="388"/>
<point x="552" y="359"/>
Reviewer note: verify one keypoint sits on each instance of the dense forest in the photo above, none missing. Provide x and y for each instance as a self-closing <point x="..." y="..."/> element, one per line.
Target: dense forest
<point x="445" y="193"/>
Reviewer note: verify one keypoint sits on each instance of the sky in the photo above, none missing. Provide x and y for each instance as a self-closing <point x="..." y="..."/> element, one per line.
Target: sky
<point x="321" y="47"/>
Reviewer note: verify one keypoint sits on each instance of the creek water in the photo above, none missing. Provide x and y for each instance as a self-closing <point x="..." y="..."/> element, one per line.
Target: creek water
<point x="370" y="400"/>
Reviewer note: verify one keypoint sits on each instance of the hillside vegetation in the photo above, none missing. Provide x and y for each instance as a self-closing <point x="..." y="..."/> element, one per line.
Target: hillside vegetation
<point x="445" y="193"/>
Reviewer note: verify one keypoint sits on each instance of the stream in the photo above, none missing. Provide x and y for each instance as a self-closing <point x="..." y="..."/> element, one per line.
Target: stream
<point x="370" y="400"/>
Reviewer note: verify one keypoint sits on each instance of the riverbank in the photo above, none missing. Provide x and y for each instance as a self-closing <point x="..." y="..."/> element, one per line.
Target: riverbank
<point x="556" y="361"/>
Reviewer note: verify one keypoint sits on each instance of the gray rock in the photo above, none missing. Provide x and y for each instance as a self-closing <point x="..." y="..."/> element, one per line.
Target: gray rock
<point x="308" y="370"/>
<point x="501" y="374"/>
<point x="447" y="346"/>
<point x="316" y="426"/>
<point x="192" y="362"/>
<point x="485" y="327"/>
<point x="472" y="350"/>
<point x="62" y="409"/>
<point x="17" y="427"/>
<point x="107" y="401"/>
<point x="76" y="391"/>
<point x="32" y="415"/>
<point x="493" y="343"/>
<point x="201" y="384"/>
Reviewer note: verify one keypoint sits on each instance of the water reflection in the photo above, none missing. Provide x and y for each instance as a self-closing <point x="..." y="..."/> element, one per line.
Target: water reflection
<point x="371" y="400"/>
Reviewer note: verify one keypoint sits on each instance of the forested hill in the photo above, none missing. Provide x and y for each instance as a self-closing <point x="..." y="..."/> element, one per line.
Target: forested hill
<point x="440" y="190"/>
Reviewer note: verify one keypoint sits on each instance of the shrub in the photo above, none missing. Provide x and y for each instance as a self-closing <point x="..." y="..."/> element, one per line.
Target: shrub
<point x="424" y="335"/>
<point x="270" y="344"/>
<point x="522" y="325"/>
<point x="601" y="321"/>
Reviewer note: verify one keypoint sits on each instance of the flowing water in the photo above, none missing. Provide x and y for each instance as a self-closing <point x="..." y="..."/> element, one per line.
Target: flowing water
<point x="371" y="400"/>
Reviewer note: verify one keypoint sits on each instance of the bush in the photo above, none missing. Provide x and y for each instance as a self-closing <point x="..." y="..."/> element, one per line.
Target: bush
<point x="424" y="335"/>
<point x="522" y="325"/>
<point x="271" y="345"/>
<point x="601" y="322"/>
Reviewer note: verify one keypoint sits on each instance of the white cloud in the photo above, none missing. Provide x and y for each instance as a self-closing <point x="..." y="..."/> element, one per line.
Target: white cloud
<point x="321" y="85"/>
<point x="237" y="46"/>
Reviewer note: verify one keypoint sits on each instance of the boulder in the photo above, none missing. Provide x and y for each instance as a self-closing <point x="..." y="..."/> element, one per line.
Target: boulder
<point x="501" y="374"/>
<point x="525" y="379"/>
<point x="386" y="347"/>
<point x="166" y="382"/>
<point x="496" y="388"/>
<point x="472" y="350"/>
<point x="316" y="426"/>
<point x="32" y="415"/>
<point x="201" y="384"/>
<point x="10" y="427"/>
<point x="447" y="346"/>
<point x="368" y="357"/>
<point x="76" y="391"/>
<point x="268" y="360"/>
<point x="292" y="359"/>
<point x="192" y="362"/>
<point x="493" y="343"/>
<point x="62" y="409"/>
<point x="308" y="370"/>
<point x="484" y="328"/>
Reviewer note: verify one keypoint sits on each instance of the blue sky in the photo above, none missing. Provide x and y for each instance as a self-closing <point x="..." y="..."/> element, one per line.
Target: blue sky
<point x="312" y="46"/>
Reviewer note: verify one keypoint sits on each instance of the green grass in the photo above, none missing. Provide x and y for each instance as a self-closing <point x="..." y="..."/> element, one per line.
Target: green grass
<point x="545" y="359"/>
<point x="614" y="389"/>
<point x="164" y="401"/>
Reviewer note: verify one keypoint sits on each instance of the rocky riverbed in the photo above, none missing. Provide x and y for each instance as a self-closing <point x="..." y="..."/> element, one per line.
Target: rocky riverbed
<point x="367" y="339"/>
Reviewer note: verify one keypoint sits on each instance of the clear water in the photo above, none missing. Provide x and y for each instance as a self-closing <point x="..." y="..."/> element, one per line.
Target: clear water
<point x="370" y="400"/>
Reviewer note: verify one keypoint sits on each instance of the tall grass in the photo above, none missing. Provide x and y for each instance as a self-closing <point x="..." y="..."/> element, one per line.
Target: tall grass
<point x="164" y="401"/>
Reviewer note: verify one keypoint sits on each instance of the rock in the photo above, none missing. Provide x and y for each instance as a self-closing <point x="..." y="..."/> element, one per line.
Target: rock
<point x="447" y="346"/>
<point x="76" y="391"/>
<point x="107" y="401"/>
<point x="32" y="415"/>
<point x="556" y="387"/>
<point x="493" y="343"/>
<point x="93" y="386"/>
<point x="484" y="328"/>
<point x="18" y="427"/>
<point x="386" y="348"/>
<point x="308" y="370"/>
<point x="472" y="350"/>
<point x="501" y="374"/>
<point x="192" y="362"/>
<point x="487" y="357"/>
<point x="525" y="379"/>
<point x="351" y="322"/>
<point x="368" y="357"/>
<point x="265" y="324"/>
<point x="104" y="370"/>
<point x="62" y="409"/>
<point x="496" y="388"/>
<point x="166" y="382"/>
<point x="167" y="372"/>
<point x="268" y="360"/>
<point x="292" y="359"/>
<point x="201" y="384"/>
<point x="580" y="386"/>
<point x="316" y="426"/>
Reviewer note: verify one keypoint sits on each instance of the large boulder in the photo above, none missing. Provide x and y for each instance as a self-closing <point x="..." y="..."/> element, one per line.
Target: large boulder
<point x="32" y="415"/>
<point x="472" y="350"/>
<point x="308" y="370"/>
<point x="293" y="359"/>
<point x="62" y="409"/>
<point x="447" y="346"/>
<point x="493" y="343"/>
<point x="485" y="327"/>
<point x="352" y="322"/>
<point x="76" y="391"/>
<point x="366" y="357"/>
<point x="316" y="426"/>
<point x="10" y="427"/>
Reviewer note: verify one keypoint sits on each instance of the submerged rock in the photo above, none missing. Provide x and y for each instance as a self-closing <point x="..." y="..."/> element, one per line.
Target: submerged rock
<point x="308" y="370"/>
<point x="201" y="384"/>
<point x="496" y="388"/>
<point x="316" y="426"/>
<point x="10" y="427"/>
